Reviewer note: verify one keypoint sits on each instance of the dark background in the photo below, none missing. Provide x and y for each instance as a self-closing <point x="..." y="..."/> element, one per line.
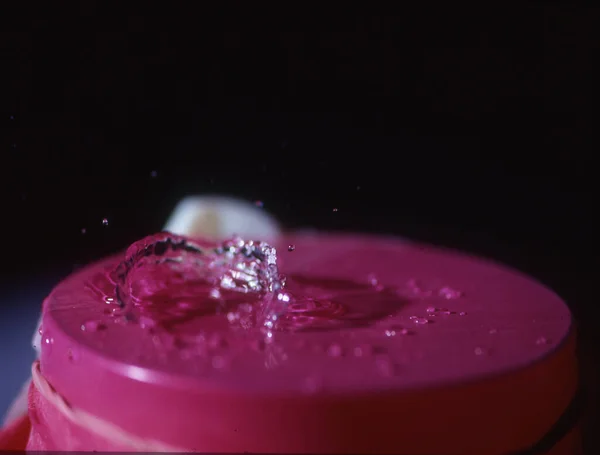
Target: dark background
<point x="468" y="128"/>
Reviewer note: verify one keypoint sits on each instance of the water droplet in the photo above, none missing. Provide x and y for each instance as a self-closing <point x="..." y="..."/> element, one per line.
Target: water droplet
<point x="105" y="221"/>
<point x="335" y="350"/>
<point x="384" y="365"/>
<point x="374" y="281"/>
<point x="542" y="341"/>
<point x="479" y="351"/>
<point x="335" y="209"/>
<point x="390" y="333"/>
<point x="146" y="322"/>
<point x="419" y="320"/>
<point x="418" y="290"/>
<point x="259" y="204"/>
<point x="83" y="230"/>
<point x="258" y="345"/>
<point x="218" y="362"/>
<point x="92" y="326"/>
<point x="312" y="384"/>
<point x="72" y="355"/>
<point x="47" y="342"/>
<point x="291" y="247"/>
<point x="362" y="351"/>
<point x="449" y="293"/>
<point x="217" y="341"/>
<point x="153" y="174"/>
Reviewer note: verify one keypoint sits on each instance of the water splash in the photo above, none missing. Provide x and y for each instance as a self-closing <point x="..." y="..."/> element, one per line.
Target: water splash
<point x="200" y="269"/>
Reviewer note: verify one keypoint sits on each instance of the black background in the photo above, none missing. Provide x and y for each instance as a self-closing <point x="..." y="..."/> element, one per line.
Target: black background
<point x="469" y="128"/>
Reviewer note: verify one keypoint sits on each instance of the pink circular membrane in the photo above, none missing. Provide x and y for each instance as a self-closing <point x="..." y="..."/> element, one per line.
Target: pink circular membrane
<point x="379" y="335"/>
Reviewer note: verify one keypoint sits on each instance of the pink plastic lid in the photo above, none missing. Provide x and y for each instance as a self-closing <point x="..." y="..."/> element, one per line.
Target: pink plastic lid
<point x="385" y="339"/>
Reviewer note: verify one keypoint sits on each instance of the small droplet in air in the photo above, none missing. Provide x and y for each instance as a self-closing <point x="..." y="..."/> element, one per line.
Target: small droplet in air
<point x="358" y="188"/>
<point x="335" y="209"/>
<point x="153" y="174"/>
<point x="12" y="117"/>
<point x="83" y="230"/>
<point x="105" y="221"/>
<point x="291" y="247"/>
<point x="259" y="204"/>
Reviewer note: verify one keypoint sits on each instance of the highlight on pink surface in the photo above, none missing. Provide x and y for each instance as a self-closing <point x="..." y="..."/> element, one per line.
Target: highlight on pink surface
<point x="370" y="344"/>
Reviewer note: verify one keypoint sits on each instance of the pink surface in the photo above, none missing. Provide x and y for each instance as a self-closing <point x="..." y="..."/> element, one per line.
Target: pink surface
<point x="396" y="320"/>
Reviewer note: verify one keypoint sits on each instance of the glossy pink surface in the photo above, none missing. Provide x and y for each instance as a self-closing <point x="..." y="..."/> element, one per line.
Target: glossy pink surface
<point x="386" y="317"/>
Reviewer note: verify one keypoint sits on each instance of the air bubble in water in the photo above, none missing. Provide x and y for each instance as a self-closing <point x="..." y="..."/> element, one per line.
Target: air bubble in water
<point x="462" y="313"/>
<point x="390" y="333"/>
<point x="291" y="247"/>
<point x="419" y="320"/>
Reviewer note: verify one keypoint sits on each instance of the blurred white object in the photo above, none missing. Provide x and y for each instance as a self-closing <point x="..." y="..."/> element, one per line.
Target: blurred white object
<point x="218" y="217"/>
<point x="213" y="217"/>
